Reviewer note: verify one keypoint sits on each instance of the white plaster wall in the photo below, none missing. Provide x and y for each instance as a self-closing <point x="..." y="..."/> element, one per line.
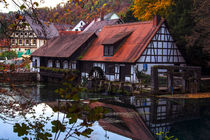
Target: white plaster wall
<point x="38" y="64"/>
<point x="40" y="43"/>
<point x="114" y="16"/>
<point x="78" y="26"/>
<point x="149" y="66"/>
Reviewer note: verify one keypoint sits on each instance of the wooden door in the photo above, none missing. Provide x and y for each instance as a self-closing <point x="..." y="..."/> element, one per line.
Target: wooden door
<point x="122" y="73"/>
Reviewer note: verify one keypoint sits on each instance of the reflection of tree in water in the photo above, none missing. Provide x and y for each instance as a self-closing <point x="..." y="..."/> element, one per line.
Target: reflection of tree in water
<point x="13" y="103"/>
<point x="37" y="121"/>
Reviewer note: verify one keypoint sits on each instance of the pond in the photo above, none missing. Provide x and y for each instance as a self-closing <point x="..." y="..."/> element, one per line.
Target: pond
<point x="129" y="117"/>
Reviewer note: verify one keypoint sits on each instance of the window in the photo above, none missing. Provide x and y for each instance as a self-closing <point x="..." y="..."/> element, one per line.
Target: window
<point x="17" y="33"/>
<point x="13" y="41"/>
<point x="20" y="41"/>
<point x="110" y="69"/>
<point x="35" y="64"/>
<point x="65" y="65"/>
<point x="50" y="64"/>
<point x="145" y="67"/>
<point x="27" y="41"/>
<point x="73" y="65"/>
<point x="108" y="50"/>
<point x="34" y="41"/>
<point x="57" y="63"/>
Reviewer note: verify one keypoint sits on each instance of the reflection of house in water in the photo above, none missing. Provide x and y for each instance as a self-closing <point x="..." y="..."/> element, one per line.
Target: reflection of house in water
<point x="160" y="114"/>
<point x="145" y="115"/>
<point x="124" y="121"/>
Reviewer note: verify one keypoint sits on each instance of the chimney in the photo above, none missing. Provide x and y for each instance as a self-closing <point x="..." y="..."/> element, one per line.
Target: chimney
<point x="102" y="15"/>
<point x="156" y="20"/>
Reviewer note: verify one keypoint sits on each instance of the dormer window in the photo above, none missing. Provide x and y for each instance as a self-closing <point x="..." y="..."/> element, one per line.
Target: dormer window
<point x="108" y="50"/>
<point x="113" y="43"/>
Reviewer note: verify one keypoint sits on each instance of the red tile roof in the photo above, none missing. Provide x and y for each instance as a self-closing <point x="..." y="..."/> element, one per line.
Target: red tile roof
<point x="68" y="32"/>
<point x="63" y="46"/>
<point x="116" y="38"/>
<point x="98" y="25"/>
<point x="131" y="49"/>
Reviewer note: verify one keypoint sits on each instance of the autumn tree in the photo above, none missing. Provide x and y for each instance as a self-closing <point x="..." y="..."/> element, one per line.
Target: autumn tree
<point x="146" y="9"/>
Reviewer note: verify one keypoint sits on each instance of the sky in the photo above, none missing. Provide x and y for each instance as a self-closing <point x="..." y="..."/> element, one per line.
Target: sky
<point x="45" y="3"/>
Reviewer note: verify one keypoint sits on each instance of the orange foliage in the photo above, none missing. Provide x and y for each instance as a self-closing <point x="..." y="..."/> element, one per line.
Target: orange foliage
<point x="146" y="9"/>
<point x="86" y="10"/>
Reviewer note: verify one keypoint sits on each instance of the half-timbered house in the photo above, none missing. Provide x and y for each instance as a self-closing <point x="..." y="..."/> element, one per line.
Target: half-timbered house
<point x="122" y="49"/>
<point x="31" y="37"/>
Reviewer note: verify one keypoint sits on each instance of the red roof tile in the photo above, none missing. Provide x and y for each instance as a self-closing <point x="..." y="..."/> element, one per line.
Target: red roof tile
<point x="116" y="38"/>
<point x="131" y="49"/>
<point x="68" y="32"/>
<point x="62" y="46"/>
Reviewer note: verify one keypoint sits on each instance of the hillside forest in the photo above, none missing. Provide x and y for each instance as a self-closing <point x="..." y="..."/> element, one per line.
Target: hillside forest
<point x="188" y="20"/>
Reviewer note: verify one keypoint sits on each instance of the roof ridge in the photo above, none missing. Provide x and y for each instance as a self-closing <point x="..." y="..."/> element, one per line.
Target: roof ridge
<point x="128" y="24"/>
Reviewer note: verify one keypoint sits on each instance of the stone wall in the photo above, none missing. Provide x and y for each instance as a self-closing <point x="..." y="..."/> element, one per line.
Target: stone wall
<point x="18" y="77"/>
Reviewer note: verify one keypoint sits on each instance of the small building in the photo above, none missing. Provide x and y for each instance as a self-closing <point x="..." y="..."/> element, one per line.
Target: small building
<point x="31" y="37"/>
<point x="99" y="23"/>
<point x="62" y="52"/>
<point x="120" y="50"/>
<point x="65" y="51"/>
<point x="79" y="26"/>
<point x="111" y="16"/>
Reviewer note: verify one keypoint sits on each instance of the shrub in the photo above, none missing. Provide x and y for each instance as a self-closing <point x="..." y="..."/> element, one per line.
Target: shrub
<point x="9" y="54"/>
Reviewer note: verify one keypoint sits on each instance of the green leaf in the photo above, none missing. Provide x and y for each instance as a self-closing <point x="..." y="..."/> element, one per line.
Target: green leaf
<point x="21" y="130"/>
<point x="36" y="3"/>
<point x="73" y="119"/>
<point x="75" y="97"/>
<point x="22" y="7"/>
<point x="87" y="132"/>
<point x="57" y="126"/>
